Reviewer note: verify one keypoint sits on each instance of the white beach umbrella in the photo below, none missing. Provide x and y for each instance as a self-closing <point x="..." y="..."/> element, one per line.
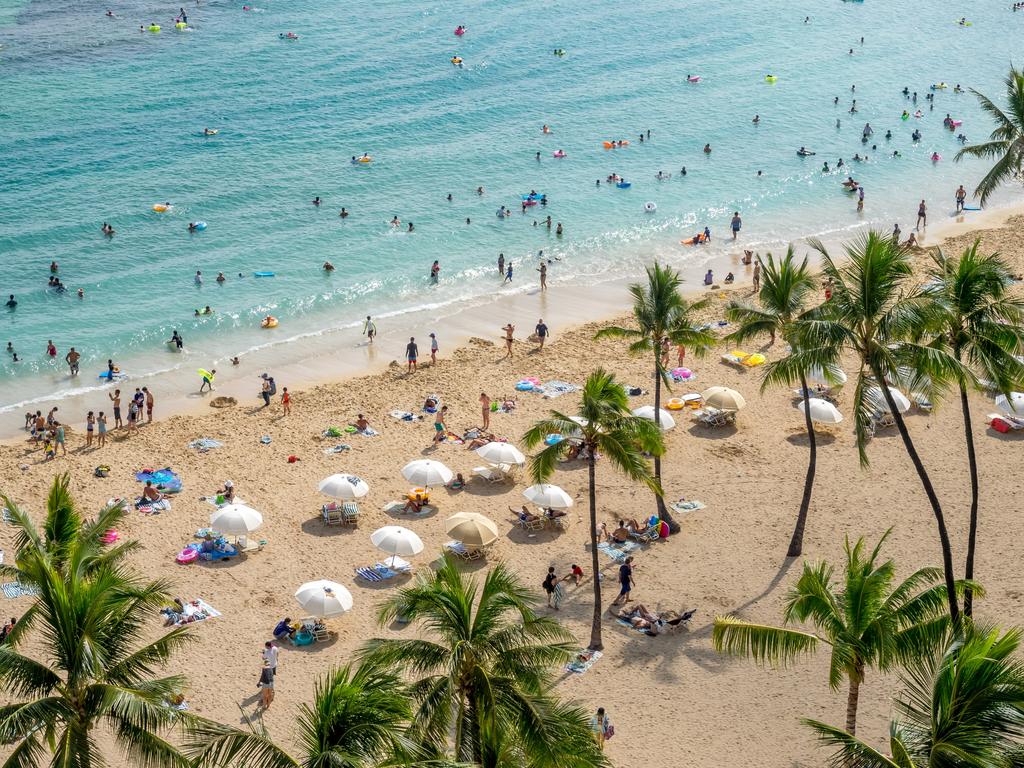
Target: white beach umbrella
<point x="875" y="397"/>
<point x="1013" y="406"/>
<point x="344" y="487"/>
<point x="821" y="411"/>
<point x="235" y="519"/>
<point x="550" y="496"/>
<point x="723" y="398"/>
<point x="501" y="453"/>
<point x="817" y="376"/>
<point x="396" y="540"/>
<point x="665" y="420"/>
<point x="323" y="598"/>
<point x="471" y="528"/>
<point x="426" y="472"/>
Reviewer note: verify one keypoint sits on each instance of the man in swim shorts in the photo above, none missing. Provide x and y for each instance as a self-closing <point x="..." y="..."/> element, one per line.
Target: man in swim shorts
<point x="736" y="224"/>
<point x="542" y="332"/>
<point x="369" y="329"/>
<point x="411" y="353"/>
<point x="71" y="358"/>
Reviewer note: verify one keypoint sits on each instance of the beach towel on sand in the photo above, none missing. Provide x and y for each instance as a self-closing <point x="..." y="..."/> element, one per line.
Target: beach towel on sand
<point x="583" y="661"/>
<point x="405" y="416"/>
<point x="687" y="506"/>
<point x="165" y="480"/>
<point x="203" y="611"/>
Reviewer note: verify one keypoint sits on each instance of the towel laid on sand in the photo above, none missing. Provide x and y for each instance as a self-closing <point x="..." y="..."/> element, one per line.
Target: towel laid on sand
<point x="583" y="661"/>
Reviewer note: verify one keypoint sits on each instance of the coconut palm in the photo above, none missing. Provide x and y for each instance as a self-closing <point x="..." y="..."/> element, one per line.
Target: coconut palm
<point x="87" y="672"/>
<point x="984" y="328"/>
<point x="604" y="425"/>
<point x="358" y="719"/>
<point x="1006" y="142"/>
<point x="785" y="289"/>
<point x="873" y="314"/>
<point x="482" y="672"/>
<point x="963" y="707"/>
<point x="867" y="619"/>
<point x="663" y="317"/>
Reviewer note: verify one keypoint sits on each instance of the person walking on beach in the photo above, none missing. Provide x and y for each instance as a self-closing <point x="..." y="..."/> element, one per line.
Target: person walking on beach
<point x="509" y="329"/>
<point x="485" y="410"/>
<point x="369" y="329"/>
<point x="411" y="353"/>
<point x="542" y="333"/>
<point x="59" y="436"/>
<point x="90" y="428"/>
<point x="266" y="685"/>
<point x="543" y="276"/>
<point x="433" y="348"/>
<point x="116" y="400"/>
<point x="265" y="390"/>
<point x="72" y="357"/>
<point x="286" y="401"/>
<point x="736" y="223"/>
<point x="133" y="414"/>
<point x="757" y="276"/>
<point x="440" y="427"/>
<point x="626" y="582"/>
<point x="600" y="725"/>
<point x="922" y="216"/>
<point x="101" y="430"/>
<point x="552" y="586"/>
<point x="961" y="195"/>
<point x="149" y="404"/>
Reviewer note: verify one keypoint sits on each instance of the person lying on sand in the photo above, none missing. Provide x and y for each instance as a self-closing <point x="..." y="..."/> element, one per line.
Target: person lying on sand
<point x="636" y="527"/>
<point x="482" y="438"/>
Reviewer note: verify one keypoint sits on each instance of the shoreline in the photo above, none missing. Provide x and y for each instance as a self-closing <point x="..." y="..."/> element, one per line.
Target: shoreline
<point x="342" y="355"/>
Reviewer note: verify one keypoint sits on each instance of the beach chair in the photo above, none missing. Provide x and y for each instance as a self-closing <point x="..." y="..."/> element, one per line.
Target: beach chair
<point x="495" y="473"/>
<point x="650" y="534"/>
<point x="463" y="552"/>
<point x="739" y="358"/>
<point x="559" y="522"/>
<point x="881" y="420"/>
<point x="531" y="525"/>
<point x="671" y="626"/>
<point x="375" y="573"/>
<point x="922" y="403"/>
<point x="350" y="513"/>
<point x="713" y="417"/>
<point x="332" y="514"/>
<point x="316" y="629"/>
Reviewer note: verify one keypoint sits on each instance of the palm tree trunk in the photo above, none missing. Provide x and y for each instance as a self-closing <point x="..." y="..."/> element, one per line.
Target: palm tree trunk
<point x="940" y="520"/>
<point x="972" y="463"/>
<point x="595" y="626"/>
<point x="663" y="513"/>
<point x="796" y="544"/>
<point x="853" y="698"/>
<point x="460" y="714"/>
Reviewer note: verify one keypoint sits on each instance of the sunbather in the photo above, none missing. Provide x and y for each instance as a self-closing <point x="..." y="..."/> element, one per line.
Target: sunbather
<point x="640" y="618"/>
<point x="361" y="423"/>
<point x="150" y="494"/>
<point x="552" y="513"/>
<point x="621" y="533"/>
<point x="415" y="503"/>
<point x="479" y="441"/>
<point x="508" y="404"/>
<point x="602" y="532"/>
<point x="228" y="492"/>
<point x="524" y="514"/>
<point x="634" y="527"/>
<point x="457" y="483"/>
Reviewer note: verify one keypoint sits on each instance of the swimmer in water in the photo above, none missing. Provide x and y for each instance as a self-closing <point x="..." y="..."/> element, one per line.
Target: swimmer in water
<point x="191" y="226"/>
<point x="756" y="120"/>
<point x="449" y="197"/>
<point x="545" y="129"/>
<point x="316" y="201"/>
<point x="479" y="190"/>
<point x="220" y="277"/>
<point x="343" y="214"/>
<point x="110" y="14"/>
<point x="395" y="222"/>
<point x="707" y="149"/>
<point x="682" y="172"/>
<point x="328" y="267"/>
<point x="410" y="227"/>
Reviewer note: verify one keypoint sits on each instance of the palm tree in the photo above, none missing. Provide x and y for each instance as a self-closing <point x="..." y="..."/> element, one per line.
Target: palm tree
<point x="663" y="317"/>
<point x="785" y="289"/>
<point x="483" y="672"/>
<point x="982" y="327"/>
<point x="358" y="719"/>
<point x="1006" y="142"/>
<point x="875" y="316"/>
<point x="868" y="620"/>
<point x="602" y="425"/>
<point x="963" y="707"/>
<point x="88" y="671"/>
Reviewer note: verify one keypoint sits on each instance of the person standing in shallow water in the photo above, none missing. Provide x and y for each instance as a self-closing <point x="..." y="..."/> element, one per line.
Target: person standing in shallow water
<point x="543" y="276"/>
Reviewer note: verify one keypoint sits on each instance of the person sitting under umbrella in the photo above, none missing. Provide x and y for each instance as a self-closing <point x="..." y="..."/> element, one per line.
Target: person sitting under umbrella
<point x="551" y="512"/>
<point x="416" y="501"/>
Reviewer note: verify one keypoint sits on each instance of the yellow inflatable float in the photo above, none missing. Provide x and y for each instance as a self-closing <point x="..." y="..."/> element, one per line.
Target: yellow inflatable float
<point x="269" y="322"/>
<point x="161" y="207"/>
<point x="153" y="27"/>
<point x="675" y="404"/>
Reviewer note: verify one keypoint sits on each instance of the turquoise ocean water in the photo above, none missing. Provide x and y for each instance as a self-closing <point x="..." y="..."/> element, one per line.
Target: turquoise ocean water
<point x="99" y="121"/>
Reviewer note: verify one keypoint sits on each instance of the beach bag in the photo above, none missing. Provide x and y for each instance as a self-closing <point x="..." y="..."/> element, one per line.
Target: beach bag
<point x="102" y="471"/>
<point x="609" y="731"/>
<point x="1000" y="426"/>
<point x="634" y="391"/>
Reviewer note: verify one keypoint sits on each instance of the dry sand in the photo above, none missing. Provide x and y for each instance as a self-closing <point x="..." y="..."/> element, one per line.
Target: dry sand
<point x="671" y="698"/>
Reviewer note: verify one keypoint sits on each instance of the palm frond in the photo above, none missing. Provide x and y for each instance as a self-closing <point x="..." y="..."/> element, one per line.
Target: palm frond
<point x="763" y="643"/>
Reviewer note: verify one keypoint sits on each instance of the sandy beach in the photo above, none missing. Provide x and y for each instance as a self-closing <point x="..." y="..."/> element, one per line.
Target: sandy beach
<point x="668" y="696"/>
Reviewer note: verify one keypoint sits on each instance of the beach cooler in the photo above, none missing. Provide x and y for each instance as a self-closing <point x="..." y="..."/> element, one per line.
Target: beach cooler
<point x="1000" y="425"/>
